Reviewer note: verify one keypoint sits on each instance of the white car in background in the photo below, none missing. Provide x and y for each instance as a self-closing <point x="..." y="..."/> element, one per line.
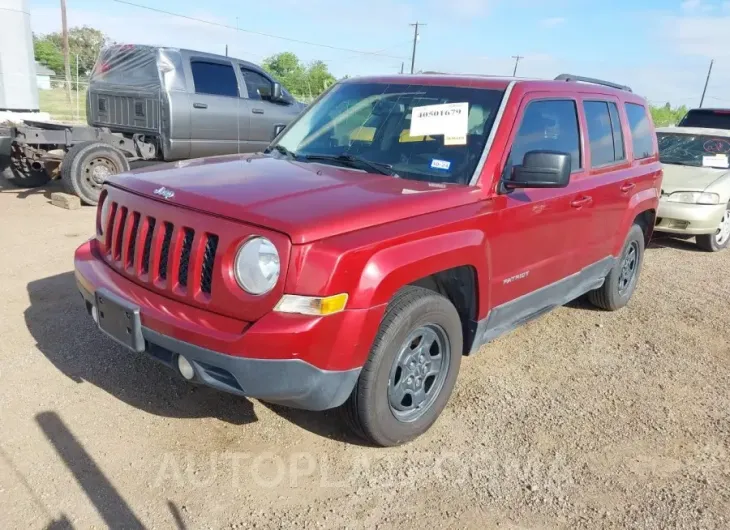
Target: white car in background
<point x="696" y="186"/>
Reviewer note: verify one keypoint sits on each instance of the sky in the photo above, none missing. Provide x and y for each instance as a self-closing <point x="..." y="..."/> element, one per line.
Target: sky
<point x="661" y="48"/>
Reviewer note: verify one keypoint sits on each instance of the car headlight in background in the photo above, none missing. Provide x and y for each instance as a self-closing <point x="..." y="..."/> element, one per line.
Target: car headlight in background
<point x="257" y="266"/>
<point x="104" y="215"/>
<point x="694" y="197"/>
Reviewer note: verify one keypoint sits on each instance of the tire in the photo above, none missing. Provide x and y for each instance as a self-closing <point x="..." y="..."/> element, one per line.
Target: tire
<point x="87" y="165"/>
<point x="21" y="175"/>
<point x="369" y="410"/>
<point x="720" y="240"/>
<point x="618" y="288"/>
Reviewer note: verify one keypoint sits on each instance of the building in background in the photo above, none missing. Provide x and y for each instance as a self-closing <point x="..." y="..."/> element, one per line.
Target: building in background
<point x="43" y="76"/>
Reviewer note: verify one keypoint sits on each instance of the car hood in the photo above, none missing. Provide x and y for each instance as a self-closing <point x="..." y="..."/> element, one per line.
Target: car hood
<point x="686" y="178"/>
<point x="306" y="201"/>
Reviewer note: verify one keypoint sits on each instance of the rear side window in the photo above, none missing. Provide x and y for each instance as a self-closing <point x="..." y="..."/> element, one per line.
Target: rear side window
<point x="214" y="78"/>
<point x="641" y="131"/>
<point x="604" y="132"/>
<point x="550" y="125"/>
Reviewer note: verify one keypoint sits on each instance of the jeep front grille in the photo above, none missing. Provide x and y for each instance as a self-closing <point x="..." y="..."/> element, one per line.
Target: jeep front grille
<point x="177" y="258"/>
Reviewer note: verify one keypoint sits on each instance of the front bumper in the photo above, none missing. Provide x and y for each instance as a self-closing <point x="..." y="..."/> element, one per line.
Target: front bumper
<point x="689" y="219"/>
<point x="303" y="362"/>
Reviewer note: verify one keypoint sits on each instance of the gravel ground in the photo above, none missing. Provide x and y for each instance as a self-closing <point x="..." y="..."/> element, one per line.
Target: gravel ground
<point x="581" y="419"/>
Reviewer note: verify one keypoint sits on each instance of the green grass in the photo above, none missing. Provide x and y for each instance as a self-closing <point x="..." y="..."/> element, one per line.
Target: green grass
<point x="56" y="103"/>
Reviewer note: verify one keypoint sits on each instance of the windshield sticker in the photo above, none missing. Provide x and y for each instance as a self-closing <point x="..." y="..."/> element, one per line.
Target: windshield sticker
<point x="455" y="140"/>
<point x="440" y="164"/>
<point x="716" y="146"/>
<point x="720" y="161"/>
<point x="449" y="119"/>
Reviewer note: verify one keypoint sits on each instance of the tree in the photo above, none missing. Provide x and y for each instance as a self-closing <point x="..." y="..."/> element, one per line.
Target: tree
<point x="48" y="54"/>
<point x="86" y="42"/>
<point x="310" y="80"/>
<point x="666" y="115"/>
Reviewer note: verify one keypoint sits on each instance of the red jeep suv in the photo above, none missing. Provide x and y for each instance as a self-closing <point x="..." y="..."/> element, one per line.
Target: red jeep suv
<point x="396" y="225"/>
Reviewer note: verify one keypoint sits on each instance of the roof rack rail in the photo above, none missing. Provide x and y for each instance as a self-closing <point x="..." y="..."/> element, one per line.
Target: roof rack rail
<point x="571" y="77"/>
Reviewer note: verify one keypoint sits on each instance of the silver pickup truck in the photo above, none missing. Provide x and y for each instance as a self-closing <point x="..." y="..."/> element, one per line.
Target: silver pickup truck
<point x="150" y="104"/>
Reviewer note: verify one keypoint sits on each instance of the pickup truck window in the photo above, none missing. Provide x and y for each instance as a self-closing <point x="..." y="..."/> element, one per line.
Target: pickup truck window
<point x="216" y="79"/>
<point x="641" y="131"/>
<point x="551" y="125"/>
<point x="372" y="121"/>
<point x="258" y="86"/>
<point x="604" y="132"/>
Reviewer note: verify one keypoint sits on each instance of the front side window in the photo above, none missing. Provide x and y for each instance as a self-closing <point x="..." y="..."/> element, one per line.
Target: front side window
<point x="604" y="132"/>
<point x="420" y="132"/>
<point x="696" y="150"/>
<point x="216" y="79"/>
<point x="258" y="86"/>
<point x="547" y="125"/>
<point x="641" y="131"/>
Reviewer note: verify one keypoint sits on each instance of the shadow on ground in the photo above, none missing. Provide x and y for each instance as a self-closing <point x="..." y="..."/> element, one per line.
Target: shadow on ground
<point x="67" y="336"/>
<point x="23" y="193"/>
<point x="662" y="242"/>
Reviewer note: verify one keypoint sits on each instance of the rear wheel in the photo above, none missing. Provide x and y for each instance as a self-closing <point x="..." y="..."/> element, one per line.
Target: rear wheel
<point x="86" y="167"/>
<point x="21" y="174"/>
<point x="720" y="240"/>
<point x="621" y="281"/>
<point x="411" y="371"/>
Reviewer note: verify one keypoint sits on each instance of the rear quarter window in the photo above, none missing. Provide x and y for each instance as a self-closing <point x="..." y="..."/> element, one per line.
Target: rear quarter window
<point x="642" y="137"/>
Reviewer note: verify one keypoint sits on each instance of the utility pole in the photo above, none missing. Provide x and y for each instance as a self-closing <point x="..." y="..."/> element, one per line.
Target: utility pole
<point x="66" y="62"/>
<point x="226" y="50"/>
<point x="415" y="42"/>
<point x="517" y="61"/>
<point x="402" y="67"/>
<point x="707" y="81"/>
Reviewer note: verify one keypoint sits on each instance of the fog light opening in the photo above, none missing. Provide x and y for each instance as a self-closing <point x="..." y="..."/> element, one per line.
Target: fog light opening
<point x="186" y="369"/>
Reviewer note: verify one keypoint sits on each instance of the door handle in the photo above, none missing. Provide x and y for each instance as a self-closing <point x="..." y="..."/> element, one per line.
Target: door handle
<point x="627" y="187"/>
<point x="258" y="111"/>
<point x="583" y="201"/>
<point x="200" y="105"/>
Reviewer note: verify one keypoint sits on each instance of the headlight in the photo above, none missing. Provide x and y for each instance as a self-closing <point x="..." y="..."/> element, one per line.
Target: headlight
<point x="104" y="215"/>
<point x="257" y="266"/>
<point x="694" y="197"/>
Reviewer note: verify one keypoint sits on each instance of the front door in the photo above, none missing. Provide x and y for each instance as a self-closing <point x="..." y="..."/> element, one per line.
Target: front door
<point x="218" y="116"/>
<point x="537" y="228"/>
<point x="265" y="115"/>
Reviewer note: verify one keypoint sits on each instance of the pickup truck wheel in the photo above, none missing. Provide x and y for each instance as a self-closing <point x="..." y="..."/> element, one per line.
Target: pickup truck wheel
<point x="87" y="165"/>
<point x="21" y="174"/>
<point x="411" y="371"/>
<point x="720" y="240"/>
<point x="621" y="282"/>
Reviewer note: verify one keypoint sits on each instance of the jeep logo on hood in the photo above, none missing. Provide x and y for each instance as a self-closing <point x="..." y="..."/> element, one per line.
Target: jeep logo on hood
<point x="164" y="192"/>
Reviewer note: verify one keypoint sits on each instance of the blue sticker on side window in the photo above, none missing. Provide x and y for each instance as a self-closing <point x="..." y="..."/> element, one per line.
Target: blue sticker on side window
<point x="444" y="165"/>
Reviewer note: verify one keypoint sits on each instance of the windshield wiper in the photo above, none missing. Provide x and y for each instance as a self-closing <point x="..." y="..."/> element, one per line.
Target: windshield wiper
<point x="357" y="163"/>
<point x="280" y="148"/>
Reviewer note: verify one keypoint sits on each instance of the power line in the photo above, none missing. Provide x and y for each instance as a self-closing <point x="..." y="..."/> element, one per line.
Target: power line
<point x="218" y="24"/>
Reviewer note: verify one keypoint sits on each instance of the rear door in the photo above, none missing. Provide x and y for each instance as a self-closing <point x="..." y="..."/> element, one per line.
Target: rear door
<point x="266" y="116"/>
<point x="608" y="180"/>
<point x="217" y="122"/>
<point x="538" y="228"/>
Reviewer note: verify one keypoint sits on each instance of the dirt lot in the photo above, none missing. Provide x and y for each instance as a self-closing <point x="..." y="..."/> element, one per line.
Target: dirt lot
<point x="580" y="419"/>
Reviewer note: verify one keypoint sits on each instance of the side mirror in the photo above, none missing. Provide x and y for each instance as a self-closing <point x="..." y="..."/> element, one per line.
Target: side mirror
<point x="541" y="169"/>
<point x="276" y="93"/>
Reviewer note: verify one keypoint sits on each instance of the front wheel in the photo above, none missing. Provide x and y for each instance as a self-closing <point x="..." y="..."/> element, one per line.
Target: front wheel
<point x="621" y="281"/>
<point x="720" y="240"/>
<point x="411" y="371"/>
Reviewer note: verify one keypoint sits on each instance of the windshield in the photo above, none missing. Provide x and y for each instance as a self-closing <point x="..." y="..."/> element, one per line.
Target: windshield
<point x="694" y="150"/>
<point x="707" y="119"/>
<point x="420" y="132"/>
